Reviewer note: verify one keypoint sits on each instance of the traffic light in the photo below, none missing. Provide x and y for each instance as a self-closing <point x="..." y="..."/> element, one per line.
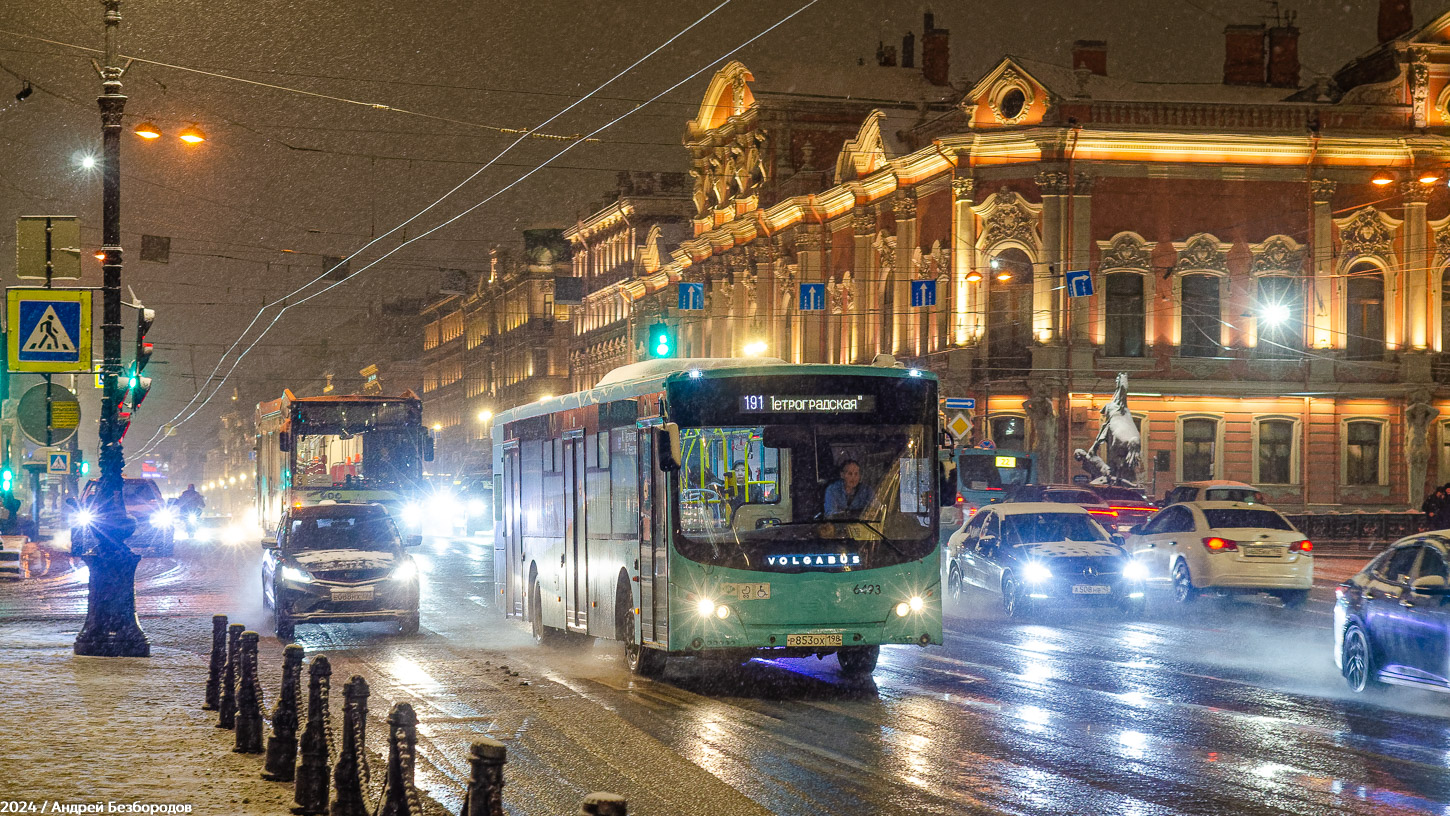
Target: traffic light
<point x="85" y="468"/>
<point x="7" y="480"/>
<point x="123" y="423"/>
<point x="661" y="341"/>
<point x="138" y="386"/>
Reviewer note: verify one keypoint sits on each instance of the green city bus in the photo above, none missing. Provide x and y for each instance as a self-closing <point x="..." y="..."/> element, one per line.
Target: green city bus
<point x="679" y="507"/>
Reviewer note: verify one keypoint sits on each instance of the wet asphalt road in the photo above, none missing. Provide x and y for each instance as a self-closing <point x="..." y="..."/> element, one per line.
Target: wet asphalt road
<point x="1226" y="707"/>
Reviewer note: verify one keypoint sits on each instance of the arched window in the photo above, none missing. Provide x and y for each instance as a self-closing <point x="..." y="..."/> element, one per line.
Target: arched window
<point x="1009" y="432"/>
<point x="1123" y="315"/>
<point x="1199" y="448"/>
<point x="1364" y="323"/>
<point x="1280" y="312"/>
<point x="1202" y="324"/>
<point x="1363" y="448"/>
<point x="1276" y="451"/>
<point x="1009" y="312"/>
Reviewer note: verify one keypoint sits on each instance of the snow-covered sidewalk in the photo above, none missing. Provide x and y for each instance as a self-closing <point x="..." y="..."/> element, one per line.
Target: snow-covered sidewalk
<point x="97" y="735"/>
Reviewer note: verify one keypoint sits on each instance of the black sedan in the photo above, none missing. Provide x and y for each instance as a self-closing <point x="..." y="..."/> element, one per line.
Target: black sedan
<point x="1034" y="553"/>
<point x="1392" y="619"/>
<point x="339" y="562"/>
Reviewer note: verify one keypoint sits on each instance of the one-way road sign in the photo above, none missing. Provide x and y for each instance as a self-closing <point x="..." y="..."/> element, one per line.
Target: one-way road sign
<point x="50" y="330"/>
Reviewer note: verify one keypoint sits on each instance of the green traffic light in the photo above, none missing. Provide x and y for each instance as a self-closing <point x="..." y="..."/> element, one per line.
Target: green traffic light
<point x="661" y="341"/>
<point x="85" y="468"/>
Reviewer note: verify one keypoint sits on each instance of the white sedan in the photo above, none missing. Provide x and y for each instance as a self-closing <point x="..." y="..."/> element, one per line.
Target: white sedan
<point x="1224" y="546"/>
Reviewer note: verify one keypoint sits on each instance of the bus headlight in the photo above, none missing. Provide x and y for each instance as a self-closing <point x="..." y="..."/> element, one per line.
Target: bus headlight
<point x="296" y="576"/>
<point x="915" y="604"/>
<point x="163" y="518"/>
<point x="83" y="518"/>
<point x="705" y="607"/>
<point x="722" y="611"/>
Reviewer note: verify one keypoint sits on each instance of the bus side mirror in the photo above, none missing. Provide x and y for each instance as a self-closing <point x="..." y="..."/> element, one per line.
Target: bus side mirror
<point x="669" y="446"/>
<point x="428" y="448"/>
<point x="947" y="477"/>
<point x="284" y="442"/>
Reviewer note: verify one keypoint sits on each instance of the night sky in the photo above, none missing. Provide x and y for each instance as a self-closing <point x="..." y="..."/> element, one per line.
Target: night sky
<point x="320" y="176"/>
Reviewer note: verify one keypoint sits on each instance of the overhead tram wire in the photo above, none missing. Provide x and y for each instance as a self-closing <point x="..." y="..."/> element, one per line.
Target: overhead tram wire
<point x="174" y="423"/>
<point x="443" y="198"/>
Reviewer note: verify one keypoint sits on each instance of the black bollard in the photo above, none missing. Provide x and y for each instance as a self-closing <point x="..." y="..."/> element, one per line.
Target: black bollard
<point x="228" y="718"/>
<point x="351" y="776"/>
<point x="218" y="662"/>
<point x="249" y="699"/>
<point x="485" y="786"/>
<point x="313" y="772"/>
<point x="282" y="744"/>
<point x="603" y="804"/>
<point x="400" y="798"/>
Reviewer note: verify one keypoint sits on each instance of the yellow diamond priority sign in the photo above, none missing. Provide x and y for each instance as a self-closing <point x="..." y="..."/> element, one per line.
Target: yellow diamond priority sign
<point x="960" y="426"/>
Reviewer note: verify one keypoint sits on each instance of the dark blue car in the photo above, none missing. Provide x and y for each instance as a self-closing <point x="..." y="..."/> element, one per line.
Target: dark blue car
<point x="1392" y="619"/>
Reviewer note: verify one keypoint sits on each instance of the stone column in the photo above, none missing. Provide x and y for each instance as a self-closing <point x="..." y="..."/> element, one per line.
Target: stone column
<point x="866" y="312"/>
<point x="810" y="254"/>
<point x="1416" y="333"/>
<point x="1048" y="293"/>
<point x="966" y="296"/>
<point x="1324" y="324"/>
<point x="1079" y="257"/>
<point x="905" y="331"/>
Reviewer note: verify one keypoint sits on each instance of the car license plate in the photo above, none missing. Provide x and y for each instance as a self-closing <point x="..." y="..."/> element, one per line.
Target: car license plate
<point x="813" y="640"/>
<point x="352" y="594"/>
<point x="1091" y="589"/>
<point x="1262" y="552"/>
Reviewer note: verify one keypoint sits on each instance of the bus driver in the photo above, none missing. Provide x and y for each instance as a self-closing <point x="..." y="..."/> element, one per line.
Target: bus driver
<point x="847" y="497"/>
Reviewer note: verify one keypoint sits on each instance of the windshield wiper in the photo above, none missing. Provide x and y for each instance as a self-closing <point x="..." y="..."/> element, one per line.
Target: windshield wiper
<point x="873" y="528"/>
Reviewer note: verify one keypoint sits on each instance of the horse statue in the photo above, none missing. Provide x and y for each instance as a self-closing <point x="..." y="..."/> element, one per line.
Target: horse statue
<point x="1119" y="435"/>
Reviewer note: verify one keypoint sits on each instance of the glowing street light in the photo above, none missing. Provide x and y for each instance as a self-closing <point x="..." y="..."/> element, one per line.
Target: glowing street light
<point x="755" y="348"/>
<point x="88" y="162"/>
<point x="437" y="426"/>
<point x="1382" y="178"/>
<point x="1274" y="313"/>
<point x="148" y="130"/>
<point x="485" y="415"/>
<point x="191" y="135"/>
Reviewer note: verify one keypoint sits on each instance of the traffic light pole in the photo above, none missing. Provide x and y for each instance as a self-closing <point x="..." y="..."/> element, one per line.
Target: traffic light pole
<point x="111" y="628"/>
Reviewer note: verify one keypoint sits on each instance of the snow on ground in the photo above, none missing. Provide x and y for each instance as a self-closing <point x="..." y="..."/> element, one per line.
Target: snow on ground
<point x="87" y="730"/>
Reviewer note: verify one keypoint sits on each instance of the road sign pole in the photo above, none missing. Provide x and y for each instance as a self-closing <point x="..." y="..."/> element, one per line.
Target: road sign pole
<point x="111" y="628"/>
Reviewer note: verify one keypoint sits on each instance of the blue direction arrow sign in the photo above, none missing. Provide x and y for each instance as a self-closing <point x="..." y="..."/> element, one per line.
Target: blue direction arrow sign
<point x="923" y="293"/>
<point x="959" y="403"/>
<point x="1079" y="282"/>
<point x="813" y="297"/>
<point x="50" y="329"/>
<point x="692" y="297"/>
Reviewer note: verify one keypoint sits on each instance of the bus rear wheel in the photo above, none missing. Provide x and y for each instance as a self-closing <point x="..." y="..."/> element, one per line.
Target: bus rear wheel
<point x="858" y="661"/>
<point x="642" y="661"/>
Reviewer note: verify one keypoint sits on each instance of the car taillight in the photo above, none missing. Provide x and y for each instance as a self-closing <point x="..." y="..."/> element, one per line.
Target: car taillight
<point x="961" y="500"/>
<point x="1302" y="546"/>
<point x="971" y="511"/>
<point x="1215" y="544"/>
<point x="1113" y="513"/>
<point x="1339" y="593"/>
<point x="1128" y="509"/>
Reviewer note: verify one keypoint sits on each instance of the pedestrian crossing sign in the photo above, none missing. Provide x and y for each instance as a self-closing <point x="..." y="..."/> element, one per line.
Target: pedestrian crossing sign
<point x="58" y="462"/>
<point x="49" y="330"/>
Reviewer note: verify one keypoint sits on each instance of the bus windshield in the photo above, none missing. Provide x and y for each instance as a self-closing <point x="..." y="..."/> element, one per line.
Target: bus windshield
<point x="375" y="458"/>
<point x="753" y="496"/>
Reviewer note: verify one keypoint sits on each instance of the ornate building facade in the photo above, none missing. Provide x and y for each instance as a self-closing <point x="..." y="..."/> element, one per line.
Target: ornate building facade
<point x="1269" y="263"/>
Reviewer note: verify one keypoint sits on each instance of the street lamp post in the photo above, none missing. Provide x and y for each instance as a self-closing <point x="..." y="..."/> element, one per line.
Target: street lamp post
<point x="111" y="628"/>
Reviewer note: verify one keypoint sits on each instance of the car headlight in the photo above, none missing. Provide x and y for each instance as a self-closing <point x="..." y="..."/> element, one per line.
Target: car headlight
<point x="405" y="571"/>
<point x="1035" y="573"/>
<point x="296" y="576"/>
<point x="412" y="514"/>
<point x="163" y="518"/>
<point x="84" y="518"/>
<point x="477" y="508"/>
<point x="1135" y="571"/>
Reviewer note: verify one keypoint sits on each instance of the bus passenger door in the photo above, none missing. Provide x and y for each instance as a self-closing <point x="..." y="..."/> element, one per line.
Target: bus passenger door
<point x="576" y="571"/>
<point x="513" y="541"/>
<point x="653" y="542"/>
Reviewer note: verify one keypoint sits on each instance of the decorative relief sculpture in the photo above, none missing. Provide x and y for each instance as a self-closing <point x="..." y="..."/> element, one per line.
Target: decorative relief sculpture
<point x="1126" y="250"/>
<point x="1202" y="252"/>
<point x="1277" y="254"/>
<point x="1366" y="232"/>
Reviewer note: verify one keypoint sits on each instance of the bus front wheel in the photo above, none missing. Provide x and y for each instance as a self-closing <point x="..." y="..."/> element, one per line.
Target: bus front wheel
<point x="858" y="661"/>
<point x="642" y="661"/>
